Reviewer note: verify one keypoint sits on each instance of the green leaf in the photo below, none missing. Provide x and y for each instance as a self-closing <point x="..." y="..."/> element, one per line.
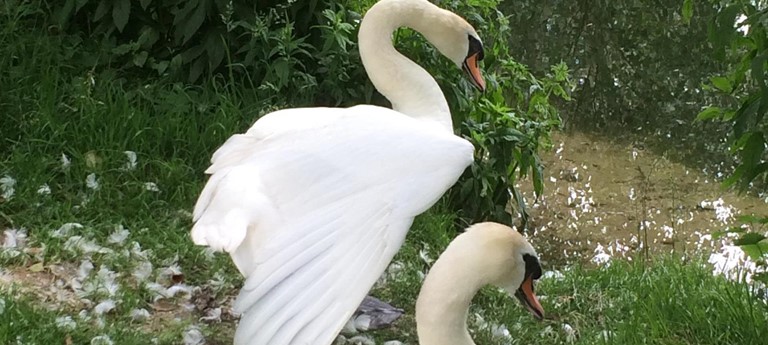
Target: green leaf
<point x="65" y="12"/>
<point x="191" y="24"/>
<point x="761" y="277"/>
<point x="687" y="11"/>
<point x="752" y="250"/>
<point x="758" y="68"/>
<point x="755" y="250"/>
<point x="124" y="48"/>
<point x="730" y="230"/>
<point x="120" y="13"/>
<point x="140" y="58"/>
<point x="735" y="176"/>
<point x="752" y="151"/>
<point x="160" y="67"/>
<point x="722" y="31"/>
<point x="722" y="83"/>
<point x="80" y="4"/>
<point x="749" y="238"/>
<point x="196" y="70"/>
<point x="144" y="3"/>
<point x="751" y="218"/>
<point x="214" y="48"/>
<point x="751" y="173"/>
<point x="149" y="36"/>
<point x="176" y="62"/>
<point x="746" y="111"/>
<point x="101" y="10"/>
<point x="709" y="113"/>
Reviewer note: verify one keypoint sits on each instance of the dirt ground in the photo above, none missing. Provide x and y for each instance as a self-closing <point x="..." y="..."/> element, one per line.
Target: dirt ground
<point x="603" y="198"/>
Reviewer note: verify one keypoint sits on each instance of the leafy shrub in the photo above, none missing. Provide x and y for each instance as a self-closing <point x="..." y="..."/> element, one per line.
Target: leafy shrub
<point x="196" y="38"/>
<point x="747" y="86"/>
<point x="742" y="44"/>
<point x="300" y="53"/>
<point x="507" y="124"/>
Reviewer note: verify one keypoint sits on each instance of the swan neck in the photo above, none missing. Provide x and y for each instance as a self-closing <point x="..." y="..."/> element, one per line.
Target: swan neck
<point x="410" y="88"/>
<point x="443" y="304"/>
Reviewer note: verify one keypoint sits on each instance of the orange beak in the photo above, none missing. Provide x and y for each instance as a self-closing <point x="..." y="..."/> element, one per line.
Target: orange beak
<point x="470" y="66"/>
<point x="528" y="298"/>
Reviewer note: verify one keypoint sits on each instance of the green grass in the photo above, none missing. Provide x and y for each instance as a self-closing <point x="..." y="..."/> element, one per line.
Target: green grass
<point x="668" y="302"/>
<point x="52" y="103"/>
<point x="22" y="321"/>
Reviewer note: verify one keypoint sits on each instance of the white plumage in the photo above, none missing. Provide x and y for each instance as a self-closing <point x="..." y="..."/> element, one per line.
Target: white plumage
<point x="313" y="214"/>
<point x="313" y="203"/>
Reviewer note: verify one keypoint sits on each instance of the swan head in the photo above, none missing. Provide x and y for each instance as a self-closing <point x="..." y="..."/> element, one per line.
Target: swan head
<point x="511" y="263"/>
<point x="455" y="38"/>
<point x="524" y="293"/>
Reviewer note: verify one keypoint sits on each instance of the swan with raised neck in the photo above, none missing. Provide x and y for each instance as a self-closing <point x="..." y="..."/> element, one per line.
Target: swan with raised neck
<point x="410" y="88"/>
<point x="313" y="203"/>
<point x="487" y="253"/>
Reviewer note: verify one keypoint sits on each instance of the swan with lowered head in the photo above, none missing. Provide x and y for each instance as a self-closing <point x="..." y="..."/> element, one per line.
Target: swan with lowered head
<point x="313" y="203"/>
<point x="487" y="253"/>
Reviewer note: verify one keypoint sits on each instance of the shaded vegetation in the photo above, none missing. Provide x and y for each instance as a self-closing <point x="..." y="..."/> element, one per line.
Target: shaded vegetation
<point x="276" y="56"/>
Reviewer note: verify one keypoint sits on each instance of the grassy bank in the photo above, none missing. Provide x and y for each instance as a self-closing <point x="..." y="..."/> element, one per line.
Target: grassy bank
<point x="668" y="302"/>
<point x="100" y="170"/>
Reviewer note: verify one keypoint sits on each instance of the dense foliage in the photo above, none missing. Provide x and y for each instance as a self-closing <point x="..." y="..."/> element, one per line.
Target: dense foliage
<point x="738" y="33"/>
<point x="299" y="53"/>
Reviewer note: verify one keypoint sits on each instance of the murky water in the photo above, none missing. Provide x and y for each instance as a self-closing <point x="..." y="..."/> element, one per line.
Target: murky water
<point x="604" y="200"/>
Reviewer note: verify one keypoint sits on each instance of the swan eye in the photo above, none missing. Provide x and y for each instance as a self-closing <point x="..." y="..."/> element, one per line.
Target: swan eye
<point x="475" y="47"/>
<point x="532" y="266"/>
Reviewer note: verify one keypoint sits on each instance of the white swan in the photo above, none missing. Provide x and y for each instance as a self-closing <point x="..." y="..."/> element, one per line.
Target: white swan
<point x="313" y="203"/>
<point x="487" y="253"/>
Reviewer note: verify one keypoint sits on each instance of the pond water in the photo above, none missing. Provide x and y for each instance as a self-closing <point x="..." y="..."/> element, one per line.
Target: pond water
<point x="604" y="199"/>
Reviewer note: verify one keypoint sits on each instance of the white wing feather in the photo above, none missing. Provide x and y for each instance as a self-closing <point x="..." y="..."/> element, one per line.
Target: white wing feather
<point x="312" y="204"/>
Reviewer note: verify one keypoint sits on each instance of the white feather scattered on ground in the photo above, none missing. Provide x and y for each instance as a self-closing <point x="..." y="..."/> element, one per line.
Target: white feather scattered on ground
<point x="570" y="333"/>
<point x="424" y="254"/>
<point x="104" y="307"/>
<point x="65" y="230"/>
<point x="102" y="340"/>
<point x="81" y="245"/>
<point x="119" y="235"/>
<point x="139" y="314"/>
<point x="212" y="315"/>
<point x="142" y="271"/>
<point x="151" y="186"/>
<point x="554" y="274"/>
<point x="131" y="163"/>
<point x="65" y="162"/>
<point x="15" y="238"/>
<point x="92" y="182"/>
<point x="65" y="323"/>
<point x="44" y="190"/>
<point x="193" y="336"/>
<point x="7" y="185"/>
